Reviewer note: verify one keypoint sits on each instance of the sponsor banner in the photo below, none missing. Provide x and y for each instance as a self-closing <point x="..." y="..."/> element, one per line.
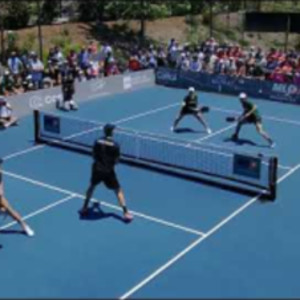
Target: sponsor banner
<point x="289" y="93"/>
<point x="85" y="91"/>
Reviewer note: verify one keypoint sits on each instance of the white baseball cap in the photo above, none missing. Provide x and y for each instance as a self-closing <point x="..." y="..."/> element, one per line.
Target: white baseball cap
<point x="243" y="96"/>
<point x="191" y="89"/>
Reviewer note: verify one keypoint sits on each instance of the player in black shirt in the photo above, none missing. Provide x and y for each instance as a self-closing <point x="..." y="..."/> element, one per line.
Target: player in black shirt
<point x="190" y="107"/>
<point x="106" y="155"/>
<point x="68" y="88"/>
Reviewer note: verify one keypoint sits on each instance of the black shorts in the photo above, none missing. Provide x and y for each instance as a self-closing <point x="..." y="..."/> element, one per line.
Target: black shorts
<point x="189" y="111"/>
<point x="253" y="120"/>
<point x="68" y="96"/>
<point x="108" y="178"/>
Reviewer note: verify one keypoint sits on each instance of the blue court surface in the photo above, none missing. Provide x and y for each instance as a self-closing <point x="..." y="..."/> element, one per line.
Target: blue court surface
<point x="187" y="239"/>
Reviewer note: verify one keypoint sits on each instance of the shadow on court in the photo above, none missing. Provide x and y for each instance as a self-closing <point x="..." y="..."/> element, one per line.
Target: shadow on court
<point x="12" y="232"/>
<point x="243" y="142"/>
<point x="188" y="130"/>
<point x="95" y="213"/>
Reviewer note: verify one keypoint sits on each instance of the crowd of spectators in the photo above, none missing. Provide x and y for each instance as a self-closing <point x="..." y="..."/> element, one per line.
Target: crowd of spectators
<point x="229" y="59"/>
<point x="26" y="72"/>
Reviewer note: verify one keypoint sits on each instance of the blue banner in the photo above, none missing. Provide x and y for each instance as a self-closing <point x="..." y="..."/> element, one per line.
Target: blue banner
<point x="281" y="92"/>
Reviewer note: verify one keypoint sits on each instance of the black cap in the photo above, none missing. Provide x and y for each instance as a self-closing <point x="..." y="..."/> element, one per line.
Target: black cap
<point x="108" y="129"/>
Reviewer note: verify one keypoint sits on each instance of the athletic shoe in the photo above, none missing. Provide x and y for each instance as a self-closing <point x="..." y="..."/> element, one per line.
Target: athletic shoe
<point x="73" y="105"/>
<point x="209" y="131"/>
<point x="128" y="217"/>
<point x="29" y="232"/>
<point x="234" y="137"/>
<point x="172" y="128"/>
<point x="272" y="145"/>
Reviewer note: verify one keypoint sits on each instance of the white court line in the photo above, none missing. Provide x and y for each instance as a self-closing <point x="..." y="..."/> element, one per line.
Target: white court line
<point x="25" y="151"/>
<point x="214" y="133"/>
<point x="73" y="194"/>
<point x="150" y="112"/>
<point x="37" y="212"/>
<point x="198" y="241"/>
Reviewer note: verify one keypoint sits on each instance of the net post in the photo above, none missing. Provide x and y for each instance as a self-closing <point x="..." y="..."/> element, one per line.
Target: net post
<point x="273" y="168"/>
<point x="36" y="123"/>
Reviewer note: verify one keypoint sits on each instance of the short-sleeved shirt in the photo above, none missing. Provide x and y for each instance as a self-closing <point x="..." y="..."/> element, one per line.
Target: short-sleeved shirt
<point x="191" y="101"/>
<point x="248" y="106"/>
<point x="106" y="154"/>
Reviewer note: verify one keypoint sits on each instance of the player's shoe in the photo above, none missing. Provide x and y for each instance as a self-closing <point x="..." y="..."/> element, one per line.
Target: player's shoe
<point x="29" y="232"/>
<point x="209" y="131"/>
<point x="66" y="107"/>
<point x="234" y="137"/>
<point x="73" y="105"/>
<point x="128" y="217"/>
<point x="272" y="145"/>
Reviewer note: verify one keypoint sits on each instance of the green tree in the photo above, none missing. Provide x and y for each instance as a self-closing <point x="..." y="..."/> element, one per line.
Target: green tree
<point x="49" y="11"/>
<point x="17" y="14"/>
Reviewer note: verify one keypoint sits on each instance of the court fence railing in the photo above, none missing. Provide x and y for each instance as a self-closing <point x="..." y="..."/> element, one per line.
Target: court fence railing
<point x="232" y="85"/>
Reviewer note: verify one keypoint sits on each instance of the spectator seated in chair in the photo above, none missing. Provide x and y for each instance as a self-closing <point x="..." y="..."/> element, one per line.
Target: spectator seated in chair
<point x="6" y="117"/>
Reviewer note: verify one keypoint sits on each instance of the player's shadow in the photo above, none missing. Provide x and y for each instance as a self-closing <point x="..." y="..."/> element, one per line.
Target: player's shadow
<point x="242" y="142"/>
<point x="21" y="232"/>
<point x="187" y="130"/>
<point x="95" y="213"/>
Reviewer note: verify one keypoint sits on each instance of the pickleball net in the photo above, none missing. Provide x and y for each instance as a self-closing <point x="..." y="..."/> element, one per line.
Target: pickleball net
<point x="240" y="171"/>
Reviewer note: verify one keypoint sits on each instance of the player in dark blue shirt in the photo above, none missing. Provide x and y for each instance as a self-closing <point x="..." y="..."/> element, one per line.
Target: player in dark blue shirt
<point x="106" y="155"/>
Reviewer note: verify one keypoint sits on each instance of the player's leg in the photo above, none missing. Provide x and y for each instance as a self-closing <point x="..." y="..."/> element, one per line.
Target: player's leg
<point x="198" y="115"/>
<point x="11" y="121"/>
<point x="73" y="105"/>
<point x="261" y="131"/>
<point x="177" y="120"/>
<point x="122" y="202"/>
<point x="88" y="196"/>
<point x="2" y="123"/>
<point x="112" y="183"/>
<point x="238" y="128"/>
<point x="5" y="207"/>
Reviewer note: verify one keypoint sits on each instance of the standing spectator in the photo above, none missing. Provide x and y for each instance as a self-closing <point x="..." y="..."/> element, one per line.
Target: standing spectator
<point x="173" y="54"/>
<point x="161" y="57"/>
<point x="15" y="65"/>
<point x="105" y="51"/>
<point x="83" y="60"/>
<point x="36" y="68"/>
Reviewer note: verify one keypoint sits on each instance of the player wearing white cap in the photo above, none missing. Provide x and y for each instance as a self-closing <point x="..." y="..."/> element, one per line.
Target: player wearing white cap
<point x="190" y="107"/>
<point x="250" y="115"/>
